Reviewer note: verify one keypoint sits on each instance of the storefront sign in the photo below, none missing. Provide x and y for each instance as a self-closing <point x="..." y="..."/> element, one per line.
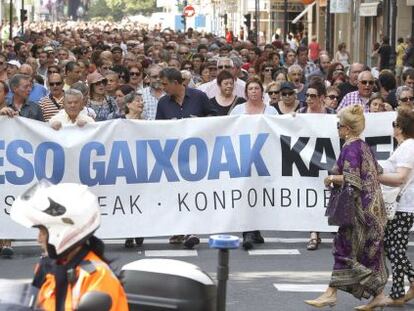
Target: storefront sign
<point x="340" y="6"/>
<point x="368" y="9"/>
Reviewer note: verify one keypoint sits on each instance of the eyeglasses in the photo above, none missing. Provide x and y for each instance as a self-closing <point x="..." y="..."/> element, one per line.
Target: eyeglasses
<point x="288" y="93"/>
<point x="224" y="67"/>
<point x="134" y="73"/>
<point x="273" y="93"/>
<point x="52" y="71"/>
<point x="339" y="125"/>
<point x="55" y="83"/>
<point x="332" y="97"/>
<point x="406" y="99"/>
<point x="366" y="82"/>
<point x="268" y="69"/>
<point x="313" y="96"/>
<point x="394" y="124"/>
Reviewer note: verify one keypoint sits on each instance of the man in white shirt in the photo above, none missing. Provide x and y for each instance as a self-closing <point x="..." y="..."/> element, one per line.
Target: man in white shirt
<point x="212" y="89"/>
<point x="71" y="113"/>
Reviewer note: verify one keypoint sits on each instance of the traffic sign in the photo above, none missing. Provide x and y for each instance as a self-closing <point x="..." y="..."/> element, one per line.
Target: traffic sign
<point x="189" y="11"/>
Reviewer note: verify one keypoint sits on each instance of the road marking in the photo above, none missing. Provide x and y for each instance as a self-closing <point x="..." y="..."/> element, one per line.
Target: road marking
<point x="171" y="253"/>
<point x="262" y="252"/>
<point x="304" y="288"/>
<point x="301" y="288"/>
<point x="202" y="240"/>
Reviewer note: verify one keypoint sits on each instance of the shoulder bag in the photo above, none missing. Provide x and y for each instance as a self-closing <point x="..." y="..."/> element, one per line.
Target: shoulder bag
<point x="392" y="196"/>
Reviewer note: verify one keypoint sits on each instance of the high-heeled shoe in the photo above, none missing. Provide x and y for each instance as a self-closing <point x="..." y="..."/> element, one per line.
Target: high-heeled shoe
<point x="322" y="302"/>
<point x="368" y="308"/>
<point x="386" y="302"/>
<point x="409" y="295"/>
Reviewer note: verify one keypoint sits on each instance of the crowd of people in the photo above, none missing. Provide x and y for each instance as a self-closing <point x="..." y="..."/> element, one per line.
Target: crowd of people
<point x="97" y="72"/>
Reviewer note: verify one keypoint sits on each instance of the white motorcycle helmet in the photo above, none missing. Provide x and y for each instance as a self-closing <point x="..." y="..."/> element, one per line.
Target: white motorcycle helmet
<point x="69" y="212"/>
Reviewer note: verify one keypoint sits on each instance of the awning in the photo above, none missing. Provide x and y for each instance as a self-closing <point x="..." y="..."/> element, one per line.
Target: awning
<point x="297" y="18"/>
<point x="369" y="9"/>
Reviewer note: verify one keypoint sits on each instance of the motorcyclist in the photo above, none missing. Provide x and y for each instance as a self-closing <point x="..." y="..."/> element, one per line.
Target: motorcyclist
<point x="67" y="215"/>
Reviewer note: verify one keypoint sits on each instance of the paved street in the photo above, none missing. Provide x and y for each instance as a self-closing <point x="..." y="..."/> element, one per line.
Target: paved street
<point x="277" y="275"/>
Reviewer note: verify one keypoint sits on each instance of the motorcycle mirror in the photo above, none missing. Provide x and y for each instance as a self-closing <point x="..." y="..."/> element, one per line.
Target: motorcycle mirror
<point x="93" y="301"/>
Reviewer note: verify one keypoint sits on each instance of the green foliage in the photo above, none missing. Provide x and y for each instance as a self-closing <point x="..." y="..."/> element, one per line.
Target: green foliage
<point x="119" y="8"/>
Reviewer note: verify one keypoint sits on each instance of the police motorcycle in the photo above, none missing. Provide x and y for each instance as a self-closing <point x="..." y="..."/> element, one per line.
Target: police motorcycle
<point x="149" y="284"/>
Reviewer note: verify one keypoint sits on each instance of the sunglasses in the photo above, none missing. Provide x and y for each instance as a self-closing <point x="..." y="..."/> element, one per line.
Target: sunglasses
<point x="339" y="125"/>
<point x="394" y="124"/>
<point x="332" y="97"/>
<point x="288" y="93"/>
<point x="224" y="67"/>
<point x="313" y="96"/>
<point x="406" y="99"/>
<point x="273" y="93"/>
<point x="9" y="46"/>
<point x="367" y="82"/>
<point x="134" y="74"/>
<point x="102" y="82"/>
<point x="55" y="83"/>
<point x="268" y="69"/>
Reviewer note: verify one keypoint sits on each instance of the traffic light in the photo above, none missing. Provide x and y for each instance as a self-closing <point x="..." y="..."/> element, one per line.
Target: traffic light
<point x="225" y="19"/>
<point x="248" y="20"/>
<point x="23" y="15"/>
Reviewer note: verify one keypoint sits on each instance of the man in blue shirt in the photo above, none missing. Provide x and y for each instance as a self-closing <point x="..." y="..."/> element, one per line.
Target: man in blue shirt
<point x="37" y="92"/>
<point x="181" y="102"/>
<point x="20" y="103"/>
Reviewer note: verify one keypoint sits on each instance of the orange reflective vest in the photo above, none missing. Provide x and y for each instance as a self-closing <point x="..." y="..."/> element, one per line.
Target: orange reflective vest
<point x="95" y="276"/>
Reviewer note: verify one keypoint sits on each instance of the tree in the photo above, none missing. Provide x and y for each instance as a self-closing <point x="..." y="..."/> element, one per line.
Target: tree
<point x="116" y="9"/>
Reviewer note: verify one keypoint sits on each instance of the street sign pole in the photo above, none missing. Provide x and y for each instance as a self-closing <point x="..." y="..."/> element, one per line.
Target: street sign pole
<point x="21" y="16"/>
<point x="11" y="20"/>
<point x="184" y="17"/>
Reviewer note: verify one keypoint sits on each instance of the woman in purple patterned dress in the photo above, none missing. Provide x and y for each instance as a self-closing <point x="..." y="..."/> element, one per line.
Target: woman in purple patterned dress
<point x="359" y="266"/>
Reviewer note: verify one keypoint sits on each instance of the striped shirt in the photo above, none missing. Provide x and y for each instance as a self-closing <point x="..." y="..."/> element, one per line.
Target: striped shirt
<point x="50" y="106"/>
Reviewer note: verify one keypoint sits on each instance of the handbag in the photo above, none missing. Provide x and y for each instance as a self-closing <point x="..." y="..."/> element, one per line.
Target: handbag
<point x="341" y="206"/>
<point x="392" y="196"/>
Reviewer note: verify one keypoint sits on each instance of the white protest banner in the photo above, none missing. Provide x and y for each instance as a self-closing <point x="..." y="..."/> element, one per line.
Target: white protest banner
<point x="201" y="176"/>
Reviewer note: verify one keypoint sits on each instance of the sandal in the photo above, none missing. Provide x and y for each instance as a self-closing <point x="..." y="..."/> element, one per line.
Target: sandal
<point x="312" y="245"/>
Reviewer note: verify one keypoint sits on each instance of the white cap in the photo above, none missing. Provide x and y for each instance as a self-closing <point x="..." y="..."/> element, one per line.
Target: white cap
<point x="14" y="63"/>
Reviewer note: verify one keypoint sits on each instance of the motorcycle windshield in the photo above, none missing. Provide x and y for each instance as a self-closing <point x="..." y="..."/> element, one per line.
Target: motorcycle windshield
<point x="17" y="294"/>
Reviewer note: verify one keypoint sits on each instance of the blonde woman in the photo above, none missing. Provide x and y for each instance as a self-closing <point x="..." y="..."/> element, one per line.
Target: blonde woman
<point x="359" y="260"/>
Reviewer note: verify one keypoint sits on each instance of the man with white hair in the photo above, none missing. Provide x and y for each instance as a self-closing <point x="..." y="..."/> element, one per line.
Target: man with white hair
<point x="71" y="112"/>
<point x="225" y="63"/>
<point x="362" y="95"/>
